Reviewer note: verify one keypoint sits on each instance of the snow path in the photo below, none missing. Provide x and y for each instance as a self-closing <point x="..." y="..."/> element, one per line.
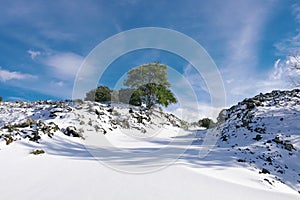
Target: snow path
<point x="68" y="171"/>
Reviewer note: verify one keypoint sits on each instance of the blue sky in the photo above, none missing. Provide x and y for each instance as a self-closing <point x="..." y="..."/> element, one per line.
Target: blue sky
<point x="43" y="43"/>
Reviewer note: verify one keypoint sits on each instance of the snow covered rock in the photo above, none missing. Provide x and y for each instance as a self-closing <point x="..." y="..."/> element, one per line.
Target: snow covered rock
<point x="264" y="131"/>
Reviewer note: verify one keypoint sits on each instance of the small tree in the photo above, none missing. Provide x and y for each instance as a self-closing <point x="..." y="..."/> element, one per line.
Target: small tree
<point x="101" y="94"/>
<point x="150" y="85"/>
<point x="206" y="123"/>
<point x="0" y="99"/>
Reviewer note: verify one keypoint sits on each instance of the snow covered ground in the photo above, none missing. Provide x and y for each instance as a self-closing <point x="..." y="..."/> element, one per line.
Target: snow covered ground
<point x="146" y="155"/>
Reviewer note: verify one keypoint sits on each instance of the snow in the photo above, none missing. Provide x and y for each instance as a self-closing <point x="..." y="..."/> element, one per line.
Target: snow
<point x="70" y="173"/>
<point x="161" y="163"/>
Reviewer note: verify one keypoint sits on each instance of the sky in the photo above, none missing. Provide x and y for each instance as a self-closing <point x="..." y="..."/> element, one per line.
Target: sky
<point x="43" y="44"/>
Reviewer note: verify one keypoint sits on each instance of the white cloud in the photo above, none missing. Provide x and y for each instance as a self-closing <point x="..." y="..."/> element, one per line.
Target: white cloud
<point x="195" y="79"/>
<point x="33" y="54"/>
<point x="277" y="72"/>
<point x="194" y="99"/>
<point x="276" y="79"/>
<point x="6" y="75"/>
<point x="291" y="45"/>
<point x="194" y="111"/>
<point x="58" y="83"/>
<point x="64" y="65"/>
<point x="296" y="12"/>
<point x="240" y="25"/>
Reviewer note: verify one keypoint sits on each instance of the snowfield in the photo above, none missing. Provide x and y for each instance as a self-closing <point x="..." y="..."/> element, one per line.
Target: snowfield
<point x="85" y="150"/>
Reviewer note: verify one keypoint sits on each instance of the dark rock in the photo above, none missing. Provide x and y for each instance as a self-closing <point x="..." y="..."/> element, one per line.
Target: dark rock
<point x="277" y="140"/>
<point x="289" y="147"/>
<point x="265" y="171"/>
<point x="224" y="138"/>
<point x="71" y="131"/>
<point x="280" y="171"/>
<point x="257" y="137"/>
<point x="268" y="181"/>
<point x="52" y="114"/>
<point x="8" y="139"/>
<point x="260" y="130"/>
<point x="38" y="151"/>
<point x="35" y="137"/>
<point x="269" y="159"/>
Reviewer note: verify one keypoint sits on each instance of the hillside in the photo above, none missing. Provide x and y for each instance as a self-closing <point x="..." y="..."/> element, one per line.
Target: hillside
<point x="264" y="132"/>
<point x="34" y="120"/>
<point x="51" y="149"/>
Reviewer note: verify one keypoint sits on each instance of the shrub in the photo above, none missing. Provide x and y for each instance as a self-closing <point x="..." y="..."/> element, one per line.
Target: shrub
<point x="38" y="151"/>
<point x="101" y="94"/>
<point x="206" y="122"/>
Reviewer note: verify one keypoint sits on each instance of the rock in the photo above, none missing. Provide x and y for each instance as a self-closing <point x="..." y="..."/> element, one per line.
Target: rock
<point x="265" y="171"/>
<point x="280" y="171"/>
<point x="257" y="137"/>
<point x="71" y="131"/>
<point x="289" y="147"/>
<point x="25" y="124"/>
<point x="97" y="112"/>
<point x="277" y="140"/>
<point x="38" y="151"/>
<point x="224" y="138"/>
<point x="8" y="139"/>
<point x="260" y="130"/>
<point x="269" y="159"/>
<point x="34" y="136"/>
<point x="268" y="181"/>
<point x="52" y="114"/>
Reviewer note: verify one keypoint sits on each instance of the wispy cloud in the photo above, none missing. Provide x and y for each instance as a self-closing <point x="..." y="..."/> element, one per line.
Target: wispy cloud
<point x="275" y="79"/>
<point x="59" y="83"/>
<point x="33" y="54"/>
<point x="296" y="12"/>
<point x="195" y="79"/>
<point x="242" y="33"/>
<point x="291" y="44"/>
<point x="6" y="75"/>
<point x="63" y="65"/>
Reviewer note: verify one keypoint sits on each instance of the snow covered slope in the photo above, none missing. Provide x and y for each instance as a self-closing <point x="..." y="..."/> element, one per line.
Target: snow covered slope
<point x="264" y="132"/>
<point x="44" y="152"/>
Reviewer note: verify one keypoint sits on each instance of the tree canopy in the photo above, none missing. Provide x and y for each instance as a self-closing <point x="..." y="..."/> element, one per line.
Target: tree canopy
<point x="150" y="85"/>
<point x="100" y="94"/>
<point x="147" y="73"/>
<point x="147" y="84"/>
